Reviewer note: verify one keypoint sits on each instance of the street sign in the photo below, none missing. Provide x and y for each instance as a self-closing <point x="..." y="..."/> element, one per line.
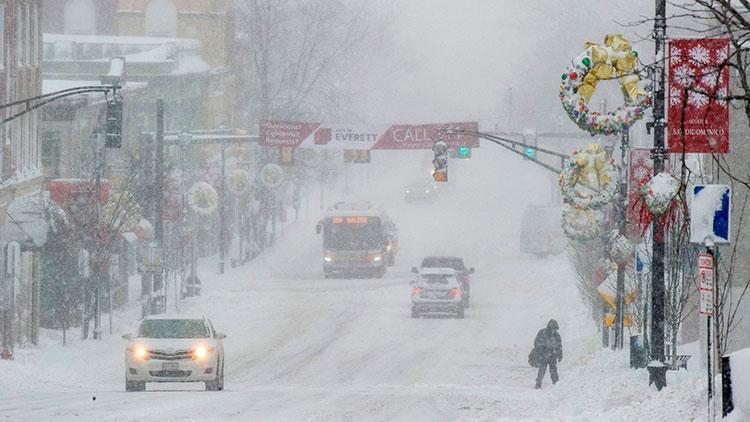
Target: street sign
<point x="706" y="278"/>
<point x="706" y="283"/>
<point x="707" y="303"/>
<point x="710" y="214"/>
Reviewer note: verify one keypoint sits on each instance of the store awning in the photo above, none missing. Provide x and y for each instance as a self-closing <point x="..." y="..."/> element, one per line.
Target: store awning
<point x="30" y="219"/>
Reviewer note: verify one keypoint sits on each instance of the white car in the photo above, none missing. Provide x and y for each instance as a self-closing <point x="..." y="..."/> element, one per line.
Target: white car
<point x="436" y="291"/>
<point x="174" y="348"/>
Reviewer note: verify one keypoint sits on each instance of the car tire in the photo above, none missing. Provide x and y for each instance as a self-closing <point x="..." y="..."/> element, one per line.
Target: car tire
<point x="135" y="386"/>
<point x="218" y="383"/>
<point x="391" y="260"/>
<point x="414" y="312"/>
<point x="467" y="301"/>
<point x="460" y="313"/>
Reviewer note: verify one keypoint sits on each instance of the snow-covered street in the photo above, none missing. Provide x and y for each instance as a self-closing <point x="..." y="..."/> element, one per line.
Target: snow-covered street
<point x="302" y="347"/>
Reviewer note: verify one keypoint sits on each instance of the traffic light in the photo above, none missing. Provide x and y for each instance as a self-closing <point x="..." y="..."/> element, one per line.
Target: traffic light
<point x="440" y="162"/>
<point x="114" y="122"/>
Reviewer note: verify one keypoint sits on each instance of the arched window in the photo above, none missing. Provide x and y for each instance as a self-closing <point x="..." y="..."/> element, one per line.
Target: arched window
<point x="161" y="19"/>
<point x="79" y="17"/>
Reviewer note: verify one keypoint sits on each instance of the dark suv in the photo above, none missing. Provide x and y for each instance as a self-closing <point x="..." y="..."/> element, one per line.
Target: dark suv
<point x="456" y="263"/>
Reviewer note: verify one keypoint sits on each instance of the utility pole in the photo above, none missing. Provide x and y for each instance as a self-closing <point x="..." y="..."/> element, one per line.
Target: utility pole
<point x="657" y="370"/>
<point x="158" y="277"/>
<point x="100" y="140"/>
<point x="621" y="206"/>
<point x="222" y="222"/>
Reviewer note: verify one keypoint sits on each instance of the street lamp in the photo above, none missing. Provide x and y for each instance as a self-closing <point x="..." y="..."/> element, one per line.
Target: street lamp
<point x="185" y="140"/>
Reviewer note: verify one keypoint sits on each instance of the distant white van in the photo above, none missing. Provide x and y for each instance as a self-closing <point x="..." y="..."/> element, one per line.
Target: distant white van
<point x="541" y="231"/>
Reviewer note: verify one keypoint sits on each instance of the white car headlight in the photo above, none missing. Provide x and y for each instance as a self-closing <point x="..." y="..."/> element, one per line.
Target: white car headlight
<point x="377" y="258"/>
<point x="202" y="352"/>
<point x="139" y="352"/>
<point x="327" y="258"/>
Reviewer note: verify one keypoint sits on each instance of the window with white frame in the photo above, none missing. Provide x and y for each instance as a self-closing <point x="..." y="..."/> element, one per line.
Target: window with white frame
<point x="161" y="19"/>
<point x="79" y="17"/>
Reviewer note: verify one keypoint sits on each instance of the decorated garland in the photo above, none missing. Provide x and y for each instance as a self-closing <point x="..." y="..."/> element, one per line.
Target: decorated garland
<point x="239" y="181"/>
<point x="589" y="179"/>
<point x="659" y="192"/>
<point x="614" y="59"/>
<point x="203" y="198"/>
<point x="581" y="224"/>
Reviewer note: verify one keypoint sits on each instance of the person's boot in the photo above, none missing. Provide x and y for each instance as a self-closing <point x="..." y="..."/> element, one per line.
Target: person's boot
<point x="538" y="385"/>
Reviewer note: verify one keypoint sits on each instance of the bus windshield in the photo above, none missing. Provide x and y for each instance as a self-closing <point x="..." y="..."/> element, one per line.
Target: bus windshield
<point x="355" y="234"/>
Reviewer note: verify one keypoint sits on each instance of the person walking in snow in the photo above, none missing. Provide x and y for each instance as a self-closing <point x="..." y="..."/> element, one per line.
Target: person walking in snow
<point x="548" y="352"/>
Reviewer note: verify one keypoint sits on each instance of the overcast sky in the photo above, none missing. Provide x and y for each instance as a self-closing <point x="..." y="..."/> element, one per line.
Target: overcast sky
<point x="458" y="58"/>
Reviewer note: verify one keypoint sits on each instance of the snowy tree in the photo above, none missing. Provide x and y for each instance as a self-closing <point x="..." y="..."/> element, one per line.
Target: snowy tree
<point x="299" y="57"/>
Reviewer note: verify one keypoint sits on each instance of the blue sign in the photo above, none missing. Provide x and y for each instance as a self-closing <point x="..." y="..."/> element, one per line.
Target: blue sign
<point x="710" y="214"/>
<point x="530" y="152"/>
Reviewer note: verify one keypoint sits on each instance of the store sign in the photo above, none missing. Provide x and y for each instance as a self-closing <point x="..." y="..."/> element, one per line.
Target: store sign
<point x="698" y="117"/>
<point x="357" y="137"/>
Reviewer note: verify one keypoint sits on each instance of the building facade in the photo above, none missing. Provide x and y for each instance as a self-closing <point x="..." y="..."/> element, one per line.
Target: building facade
<point x="20" y="175"/>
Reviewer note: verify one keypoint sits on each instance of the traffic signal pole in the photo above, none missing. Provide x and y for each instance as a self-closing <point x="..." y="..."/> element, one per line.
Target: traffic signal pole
<point x="511" y="145"/>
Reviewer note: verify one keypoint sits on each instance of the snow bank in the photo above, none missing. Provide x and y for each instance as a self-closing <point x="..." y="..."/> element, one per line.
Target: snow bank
<point x="740" y="363"/>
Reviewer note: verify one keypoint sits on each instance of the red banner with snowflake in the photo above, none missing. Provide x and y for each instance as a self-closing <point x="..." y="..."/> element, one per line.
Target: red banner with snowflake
<point x="698" y="114"/>
<point x="640" y="172"/>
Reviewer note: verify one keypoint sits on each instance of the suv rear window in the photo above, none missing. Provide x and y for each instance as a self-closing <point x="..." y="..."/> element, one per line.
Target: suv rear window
<point x="436" y="278"/>
<point x="173" y="328"/>
<point x="444" y="262"/>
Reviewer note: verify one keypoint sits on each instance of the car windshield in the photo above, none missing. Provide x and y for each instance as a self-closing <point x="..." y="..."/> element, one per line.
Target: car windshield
<point x="436" y="278"/>
<point x="173" y="328"/>
<point x="444" y="262"/>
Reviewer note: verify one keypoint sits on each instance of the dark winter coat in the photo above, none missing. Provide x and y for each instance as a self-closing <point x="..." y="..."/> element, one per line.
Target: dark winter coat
<point x="548" y="344"/>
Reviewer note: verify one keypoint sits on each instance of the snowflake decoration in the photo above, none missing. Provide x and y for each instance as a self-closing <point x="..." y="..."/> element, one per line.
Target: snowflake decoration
<point x="710" y="79"/>
<point x="720" y="55"/>
<point x="675" y="54"/>
<point x="699" y="54"/>
<point x="675" y="96"/>
<point x="697" y="99"/>
<point x="683" y="75"/>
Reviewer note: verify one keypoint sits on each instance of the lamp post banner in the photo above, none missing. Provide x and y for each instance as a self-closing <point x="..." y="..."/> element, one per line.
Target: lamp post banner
<point x="641" y="170"/>
<point x="698" y="116"/>
<point x="360" y="137"/>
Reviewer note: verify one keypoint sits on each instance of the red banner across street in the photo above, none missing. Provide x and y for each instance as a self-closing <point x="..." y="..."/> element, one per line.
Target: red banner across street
<point x="354" y="137"/>
<point x="698" y="117"/>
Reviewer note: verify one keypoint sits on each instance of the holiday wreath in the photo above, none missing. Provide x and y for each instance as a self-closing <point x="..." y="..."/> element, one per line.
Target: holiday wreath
<point x="613" y="60"/>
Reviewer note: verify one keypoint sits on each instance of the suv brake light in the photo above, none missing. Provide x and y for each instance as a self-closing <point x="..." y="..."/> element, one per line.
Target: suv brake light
<point x="415" y="291"/>
<point x="456" y="293"/>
